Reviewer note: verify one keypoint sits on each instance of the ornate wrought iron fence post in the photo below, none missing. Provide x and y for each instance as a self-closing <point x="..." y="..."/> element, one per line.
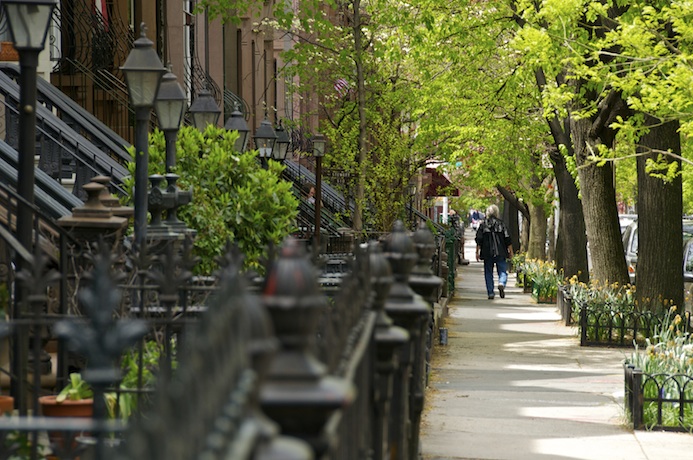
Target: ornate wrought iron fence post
<point x="426" y="284"/>
<point x="298" y="394"/>
<point x="409" y="311"/>
<point x="389" y="340"/>
<point x="262" y="348"/>
<point x="101" y="339"/>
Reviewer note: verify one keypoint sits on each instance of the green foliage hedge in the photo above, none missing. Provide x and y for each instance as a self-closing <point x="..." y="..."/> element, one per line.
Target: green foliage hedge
<point x="234" y="198"/>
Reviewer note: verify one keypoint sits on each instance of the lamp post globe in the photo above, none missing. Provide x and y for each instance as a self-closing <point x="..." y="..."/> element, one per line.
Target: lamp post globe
<point x="264" y="139"/>
<point x="204" y="110"/>
<point x="236" y="122"/>
<point x="170" y="105"/>
<point x="319" y="145"/>
<point x="143" y="71"/>
<point x="28" y="22"/>
<point x="281" y="145"/>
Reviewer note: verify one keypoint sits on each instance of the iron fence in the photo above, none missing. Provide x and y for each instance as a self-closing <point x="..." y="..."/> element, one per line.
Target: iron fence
<point x="183" y="366"/>
<point x="658" y="401"/>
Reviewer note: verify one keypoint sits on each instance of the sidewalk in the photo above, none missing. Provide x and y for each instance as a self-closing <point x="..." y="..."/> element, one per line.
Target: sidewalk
<point x="513" y="383"/>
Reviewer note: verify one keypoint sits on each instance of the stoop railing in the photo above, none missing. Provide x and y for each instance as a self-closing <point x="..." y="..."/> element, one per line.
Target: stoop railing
<point x="298" y="366"/>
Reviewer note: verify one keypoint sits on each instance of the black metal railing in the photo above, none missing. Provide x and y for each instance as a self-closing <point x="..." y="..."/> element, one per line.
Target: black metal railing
<point x="658" y="401"/>
<point x="145" y="333"/>
<point x="80" y="120"/>
<point x="56" y="142"/>
<point x="88" y="55"/>
<point x="609" y="325"/>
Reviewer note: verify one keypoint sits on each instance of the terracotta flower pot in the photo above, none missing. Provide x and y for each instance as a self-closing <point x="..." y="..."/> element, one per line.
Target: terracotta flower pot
<point x="6" y="404"/>
<point x="51" y="408"/>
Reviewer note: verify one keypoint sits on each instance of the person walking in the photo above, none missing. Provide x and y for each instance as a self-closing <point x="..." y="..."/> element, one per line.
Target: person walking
<point x="494" y="246"/>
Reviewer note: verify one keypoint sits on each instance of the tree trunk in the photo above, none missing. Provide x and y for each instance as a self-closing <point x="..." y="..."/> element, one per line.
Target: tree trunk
<point x="571" y="244"/>
<point x="510" y="216"/>
<point x="537" y="233"/>
<point x="571" y="250"/>
<point x="551" y="238"/>
<point x="659" y="272"/>
<point x="599" y="208"/>
<point x="524" y="234"/>
<point x="357" y="220"/>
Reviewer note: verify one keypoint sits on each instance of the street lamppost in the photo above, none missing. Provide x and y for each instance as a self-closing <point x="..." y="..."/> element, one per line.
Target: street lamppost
<point x="204" y="110"/>
<point x="236" y="122"/>
<point x="318" y="153"/>
<point x="281" y="146"/>
<point x="170" y="108"/>
<point x="143" y="71"/>
<point x="28" y="22"/>
<point x="264" y="139"/>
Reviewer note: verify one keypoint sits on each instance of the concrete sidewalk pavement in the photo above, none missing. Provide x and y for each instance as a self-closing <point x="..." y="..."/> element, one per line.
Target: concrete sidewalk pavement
<point x="513" y="383"/>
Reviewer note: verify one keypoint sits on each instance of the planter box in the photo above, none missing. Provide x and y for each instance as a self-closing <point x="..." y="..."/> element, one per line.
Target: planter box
<point x="658" y="402"/>
<point x="542" y="298"/>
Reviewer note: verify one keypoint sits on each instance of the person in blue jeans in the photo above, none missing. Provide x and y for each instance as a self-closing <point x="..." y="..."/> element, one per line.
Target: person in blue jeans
<point x="494" y="247"/>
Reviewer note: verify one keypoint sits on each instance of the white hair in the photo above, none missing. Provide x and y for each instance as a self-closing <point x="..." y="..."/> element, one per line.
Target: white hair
<point x="492" y="210"/>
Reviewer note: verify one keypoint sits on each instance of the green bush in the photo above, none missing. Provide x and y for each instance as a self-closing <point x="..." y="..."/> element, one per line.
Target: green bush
<point x="234" y="199"/>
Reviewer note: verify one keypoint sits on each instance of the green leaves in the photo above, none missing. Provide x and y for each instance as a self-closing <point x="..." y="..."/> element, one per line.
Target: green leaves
<point x="233" y="197"/>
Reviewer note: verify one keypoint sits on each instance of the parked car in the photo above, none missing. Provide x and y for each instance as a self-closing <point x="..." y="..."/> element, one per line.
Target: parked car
<point x="630" y="247"/>
<point x="625" y="220"/>
<point x="688" y="274"/>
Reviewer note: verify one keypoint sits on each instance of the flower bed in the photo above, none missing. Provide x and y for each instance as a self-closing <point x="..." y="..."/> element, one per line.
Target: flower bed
<point x="544" y="280"/>
<point x="659" y="380"/>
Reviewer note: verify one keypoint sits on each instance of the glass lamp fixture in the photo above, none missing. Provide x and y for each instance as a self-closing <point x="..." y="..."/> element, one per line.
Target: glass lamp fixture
<point x="264" y="138"/>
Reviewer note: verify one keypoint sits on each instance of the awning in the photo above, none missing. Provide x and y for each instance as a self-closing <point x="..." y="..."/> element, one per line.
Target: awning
<point x="438" y="184"/>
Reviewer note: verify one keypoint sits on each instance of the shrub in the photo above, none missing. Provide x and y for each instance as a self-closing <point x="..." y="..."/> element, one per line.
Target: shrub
<point x="234" y="198"/>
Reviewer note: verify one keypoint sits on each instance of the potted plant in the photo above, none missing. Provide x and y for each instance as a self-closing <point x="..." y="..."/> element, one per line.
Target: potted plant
<point x="74" y="400"/>
<point x="6" y="404"/>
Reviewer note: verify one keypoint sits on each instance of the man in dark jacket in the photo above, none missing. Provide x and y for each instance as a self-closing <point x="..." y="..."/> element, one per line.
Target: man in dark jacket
<point x="494" y="246"/>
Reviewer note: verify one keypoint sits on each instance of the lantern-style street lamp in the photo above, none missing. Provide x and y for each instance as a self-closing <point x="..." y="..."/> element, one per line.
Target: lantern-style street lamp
<point x="204" y="110"/>
<point x="281" y="145"/>
<point x="170" y="108"/>
<point x="28" y="22"/>
<point x="319" y="146"/>
<point x="143" y="71"/>
<point x="264" y="139"/>
<point x="236" y="122"/>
